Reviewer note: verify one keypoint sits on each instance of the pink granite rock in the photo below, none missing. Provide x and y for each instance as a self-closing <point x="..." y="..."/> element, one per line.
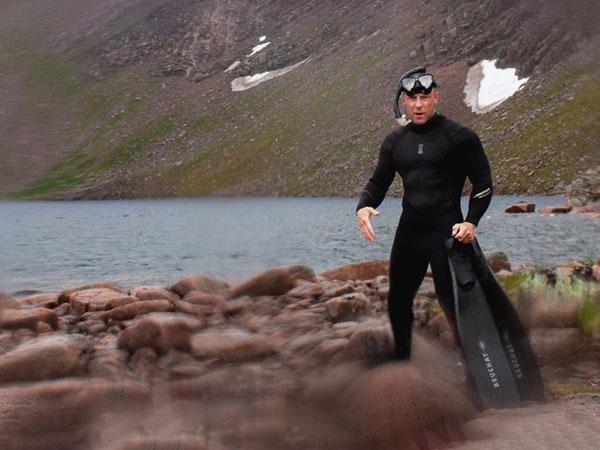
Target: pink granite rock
<point x="27" y="318"/>
<point x="520" y="208"/>
<point x="160" y="331"/>
<point x="275" y="281"/>
<point x="202" y="283"/>
<point x="43" y="358"/>
<point x="98" y="299"/>
<point x="363" y="270"/>
<point x="41" y="300"/>
<point x="563" y="209"/>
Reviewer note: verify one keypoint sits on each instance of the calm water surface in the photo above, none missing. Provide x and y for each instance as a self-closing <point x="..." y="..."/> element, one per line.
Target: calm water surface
<point x="48" y="246"/>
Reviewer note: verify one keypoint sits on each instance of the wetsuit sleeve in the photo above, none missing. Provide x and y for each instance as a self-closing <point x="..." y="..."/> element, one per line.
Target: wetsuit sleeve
<point x="378" y="185"/>
<point x="480" y="176"/>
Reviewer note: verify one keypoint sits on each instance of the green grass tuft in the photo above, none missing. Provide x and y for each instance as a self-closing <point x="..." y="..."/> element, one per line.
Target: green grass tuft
<point x="557" y="389"/>
<point x="589" y="316"/>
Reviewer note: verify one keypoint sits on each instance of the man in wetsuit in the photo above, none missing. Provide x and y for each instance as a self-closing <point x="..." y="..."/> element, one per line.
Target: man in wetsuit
<point x="433" y="155"/>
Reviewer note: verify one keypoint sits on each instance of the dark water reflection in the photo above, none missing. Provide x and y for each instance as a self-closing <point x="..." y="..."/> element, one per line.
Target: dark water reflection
<point x="51" y="245"/>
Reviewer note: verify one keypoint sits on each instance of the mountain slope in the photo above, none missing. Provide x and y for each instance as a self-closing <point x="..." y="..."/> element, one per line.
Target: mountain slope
<point x="132" y="99"/>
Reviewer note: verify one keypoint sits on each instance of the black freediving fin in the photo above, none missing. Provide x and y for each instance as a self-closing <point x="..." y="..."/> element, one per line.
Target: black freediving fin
<point x="513" y="334"/>
<point x="478" y="334"/>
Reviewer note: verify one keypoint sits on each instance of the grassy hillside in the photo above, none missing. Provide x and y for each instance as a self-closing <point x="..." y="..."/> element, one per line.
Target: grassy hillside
<point x="82" y="127"/>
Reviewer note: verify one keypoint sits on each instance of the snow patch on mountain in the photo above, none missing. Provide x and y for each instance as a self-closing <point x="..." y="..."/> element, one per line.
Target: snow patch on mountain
<point x="250" y="81"/>
<point x="233" y="66"/>
<point x="257" y="49"/>
<point x="488" y="86"/>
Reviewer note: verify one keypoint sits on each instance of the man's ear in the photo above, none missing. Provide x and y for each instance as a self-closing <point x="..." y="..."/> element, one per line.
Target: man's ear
<point x="403" y="97"/>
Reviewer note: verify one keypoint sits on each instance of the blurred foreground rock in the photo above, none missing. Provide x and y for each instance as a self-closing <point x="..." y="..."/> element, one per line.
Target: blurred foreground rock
<point x="284" y="360"/>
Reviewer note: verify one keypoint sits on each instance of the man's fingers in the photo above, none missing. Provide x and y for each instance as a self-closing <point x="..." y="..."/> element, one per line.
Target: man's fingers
<point x="463" y="232"/>
<point x="367" y="229"/>
<point x="364" y="223"/>
<point x="364" y="230"/>
<point x="367" y="233"/>
<point x="370" y="230"/>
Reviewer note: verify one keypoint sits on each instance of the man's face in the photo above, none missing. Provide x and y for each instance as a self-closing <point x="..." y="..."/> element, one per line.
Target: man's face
<point x="420" y="107"/>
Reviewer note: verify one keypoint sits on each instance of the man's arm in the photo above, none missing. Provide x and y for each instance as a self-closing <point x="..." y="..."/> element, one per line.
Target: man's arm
<point x="379" y="183"/>
<point x="480" y="176"/>
<point x="478" y="170"/>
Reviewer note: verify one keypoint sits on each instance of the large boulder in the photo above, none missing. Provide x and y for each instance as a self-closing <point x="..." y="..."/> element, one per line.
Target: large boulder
<point x="275" y="281"/>
<point x="202" y="283"/>
<point x="97" y="299"/>
<point x="363" y="270"/>
<point x="43" y="358"/>
<point x="66" y="294"/>
<point x="231" y="344"/>
<point x="160" y="331"/>
<point x="28" y="318"/>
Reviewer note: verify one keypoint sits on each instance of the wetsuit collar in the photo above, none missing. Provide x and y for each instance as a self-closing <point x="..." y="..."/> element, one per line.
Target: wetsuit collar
<point x="433" y="122"/>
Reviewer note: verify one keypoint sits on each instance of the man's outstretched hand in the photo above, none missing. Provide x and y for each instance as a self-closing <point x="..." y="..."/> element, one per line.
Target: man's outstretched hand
<point x="364" y="223"/>
<point x="463" y="232"/>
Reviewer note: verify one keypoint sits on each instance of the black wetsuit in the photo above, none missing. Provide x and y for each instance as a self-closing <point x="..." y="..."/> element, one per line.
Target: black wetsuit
<point x="433" y="160"/>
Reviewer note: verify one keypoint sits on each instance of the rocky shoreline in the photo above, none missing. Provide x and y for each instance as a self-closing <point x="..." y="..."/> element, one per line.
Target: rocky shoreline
<point x="591" y="209"/>
<point x="287" y="359"/>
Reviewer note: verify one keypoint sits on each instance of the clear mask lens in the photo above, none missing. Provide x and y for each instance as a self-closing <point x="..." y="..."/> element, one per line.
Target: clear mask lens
<point x="409" y="83"/>
<point x="424" y="81"/>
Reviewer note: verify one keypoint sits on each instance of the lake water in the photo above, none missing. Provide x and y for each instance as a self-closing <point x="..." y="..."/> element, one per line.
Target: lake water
<point x="48" y="246"/>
